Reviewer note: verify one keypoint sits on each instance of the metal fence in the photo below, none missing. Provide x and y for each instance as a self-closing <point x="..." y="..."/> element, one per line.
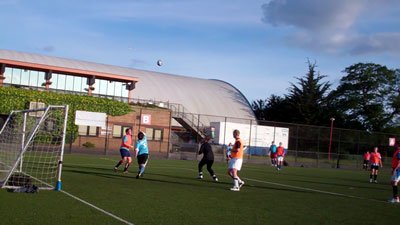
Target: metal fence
<point x="307" y="145"/>
<point x="182" y="133"/>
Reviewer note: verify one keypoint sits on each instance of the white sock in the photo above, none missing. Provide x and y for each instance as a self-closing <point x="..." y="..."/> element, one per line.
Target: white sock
<point x="235" y="183"/>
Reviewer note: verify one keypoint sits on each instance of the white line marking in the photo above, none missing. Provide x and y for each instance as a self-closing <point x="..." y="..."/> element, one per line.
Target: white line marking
<point x="95" y="207"/>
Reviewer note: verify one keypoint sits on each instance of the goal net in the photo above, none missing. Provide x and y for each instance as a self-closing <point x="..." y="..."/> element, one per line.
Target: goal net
<point x="32" y="146"/>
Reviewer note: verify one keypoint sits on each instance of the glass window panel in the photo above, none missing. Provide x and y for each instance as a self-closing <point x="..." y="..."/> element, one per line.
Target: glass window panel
<point x="96" y="86"/>
<point x="78" y="84"/>
<point x="118" y="89"/>
<point x="84" y="84"/>
<point x="41" y="79"/>
<point x="61" y="82"/>
<point x="8" y="75"/>
<point x="33" y="78"/>
<point x="82" y="130"/>
<point x="157" y="135"/>
<point x="53" y="80"/>
<point x="16" y="76"/>
<point x="117" y="131"/>
<point x="103" y="87"/>
<point x="149" y="133"/>
<point x="25" y="77"/>
<point x="125" y="92"/>
<point x="69" y="83"/>
<point x="110" y="88"/>
<point x="92" y="131"/>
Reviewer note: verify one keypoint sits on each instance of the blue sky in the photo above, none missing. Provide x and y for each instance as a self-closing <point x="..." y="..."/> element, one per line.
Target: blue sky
<point x="259" y="46"/>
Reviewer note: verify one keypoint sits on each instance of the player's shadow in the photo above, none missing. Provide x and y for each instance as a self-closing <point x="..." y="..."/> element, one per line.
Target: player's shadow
<point x="110" y="174"/>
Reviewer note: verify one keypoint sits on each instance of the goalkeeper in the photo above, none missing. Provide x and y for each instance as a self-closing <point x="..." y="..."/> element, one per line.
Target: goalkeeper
<point x="208" y="158"/>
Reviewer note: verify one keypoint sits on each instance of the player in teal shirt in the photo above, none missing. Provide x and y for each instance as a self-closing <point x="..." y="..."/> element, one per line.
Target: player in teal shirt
<point x="142" y="153"/>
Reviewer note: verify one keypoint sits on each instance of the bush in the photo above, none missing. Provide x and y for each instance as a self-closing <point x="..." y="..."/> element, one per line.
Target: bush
<point x="88" y="145"/>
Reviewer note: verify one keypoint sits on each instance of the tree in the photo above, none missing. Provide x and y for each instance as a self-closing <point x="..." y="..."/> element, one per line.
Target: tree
<point x="308" y="99"/>
<point x="258" y="107"/>
<point x="369" y="95"/>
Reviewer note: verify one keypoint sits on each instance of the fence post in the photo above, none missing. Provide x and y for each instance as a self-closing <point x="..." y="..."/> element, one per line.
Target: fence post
<point x="106" y="139"/>
<point x="319" y="134"/>
<point x="251" y="123"/>
<point x="297" y="144"/>
<point x="71" y="128"/>
<point x="338" y="154"/>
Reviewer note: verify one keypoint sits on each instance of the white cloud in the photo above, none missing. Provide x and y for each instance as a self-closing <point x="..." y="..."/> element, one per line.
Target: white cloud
<point x="331" y="26"/>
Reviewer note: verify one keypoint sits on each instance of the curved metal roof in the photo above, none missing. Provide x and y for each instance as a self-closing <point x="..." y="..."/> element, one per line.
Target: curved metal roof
<point x="198" y="96"/>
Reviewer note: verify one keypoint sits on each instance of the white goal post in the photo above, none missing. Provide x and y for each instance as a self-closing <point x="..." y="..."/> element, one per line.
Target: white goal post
<point x="32" y="148"/>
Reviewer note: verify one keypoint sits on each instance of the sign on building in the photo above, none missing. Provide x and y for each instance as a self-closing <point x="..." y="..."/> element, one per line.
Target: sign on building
<point x="392" y="141"/>
<point x="146" y="119"/>
<point x="90" y="119"/>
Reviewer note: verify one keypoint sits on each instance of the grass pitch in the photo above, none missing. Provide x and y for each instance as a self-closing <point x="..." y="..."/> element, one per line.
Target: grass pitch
<point x="170" y="194"/>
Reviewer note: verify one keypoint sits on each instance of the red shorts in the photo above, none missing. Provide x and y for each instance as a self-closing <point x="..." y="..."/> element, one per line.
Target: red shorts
<point x="273" y="155"/>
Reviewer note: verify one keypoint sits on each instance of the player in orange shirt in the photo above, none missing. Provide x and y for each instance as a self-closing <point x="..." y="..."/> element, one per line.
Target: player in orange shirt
<point x="395" y="175"/>
<point x="236" y="162"/>
<point x="126" y="144"/>
<point x="366" y="160"/>
<point x="375" y="161"/>
<point x="280" y="152"/>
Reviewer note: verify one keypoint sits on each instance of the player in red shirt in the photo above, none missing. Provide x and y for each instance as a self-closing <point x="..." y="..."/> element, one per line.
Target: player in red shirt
<point x="366" y="160"/>
<point x="375" y="161"/>
<point x="395" y="175"/>
<point x="280" y="153"/>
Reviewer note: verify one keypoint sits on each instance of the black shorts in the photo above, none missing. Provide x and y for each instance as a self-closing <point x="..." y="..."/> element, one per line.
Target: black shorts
<point x="366" y="161"/>
<point x="142" y="159"/>
<point x="374" y="167"/>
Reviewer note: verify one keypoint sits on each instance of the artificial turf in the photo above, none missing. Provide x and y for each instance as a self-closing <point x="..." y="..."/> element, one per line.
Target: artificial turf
<point x="169" y="193"/>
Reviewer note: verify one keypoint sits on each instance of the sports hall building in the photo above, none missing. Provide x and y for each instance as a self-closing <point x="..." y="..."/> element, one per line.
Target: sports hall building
<point x="182" y="100"/>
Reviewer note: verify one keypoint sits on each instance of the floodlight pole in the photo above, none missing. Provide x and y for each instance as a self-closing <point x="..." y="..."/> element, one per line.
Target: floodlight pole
<point x="330" y="139"/>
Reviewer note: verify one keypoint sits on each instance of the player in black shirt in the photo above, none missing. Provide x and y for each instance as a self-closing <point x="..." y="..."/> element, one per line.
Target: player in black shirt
<point x="208" y="158"/>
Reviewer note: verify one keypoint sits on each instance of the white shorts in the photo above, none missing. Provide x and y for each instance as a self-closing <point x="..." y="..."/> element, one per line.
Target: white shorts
<point x="279" y="158"/>
<point x="396" y="176"/>
<point x="235" y="164"/>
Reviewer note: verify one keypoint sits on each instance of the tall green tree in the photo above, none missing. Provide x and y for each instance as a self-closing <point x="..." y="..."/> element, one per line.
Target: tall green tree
<point x="369" y="95"/>
<point x="308" y="99"/>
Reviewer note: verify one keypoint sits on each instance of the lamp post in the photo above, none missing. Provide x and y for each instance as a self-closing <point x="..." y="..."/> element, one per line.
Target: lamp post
<point x="330" y="139"/>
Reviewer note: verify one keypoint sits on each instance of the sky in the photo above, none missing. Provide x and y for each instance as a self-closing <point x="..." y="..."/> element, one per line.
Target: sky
<point x="259" y="46"/>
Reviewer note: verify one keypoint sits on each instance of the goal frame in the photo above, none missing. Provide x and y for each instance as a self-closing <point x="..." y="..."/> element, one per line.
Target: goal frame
<point x="24" y="147"/>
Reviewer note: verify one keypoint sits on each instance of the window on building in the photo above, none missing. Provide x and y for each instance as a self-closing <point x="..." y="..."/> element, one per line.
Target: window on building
<point x="8" y="75"/>
<point x="110" y="89"/>
<point x="77" y="84"/>
<point x="54" y="78"/>
<point x="88" y="131"/>
<point x="25" y="77"/>
<point x="69" y="83"/>
<point x="16" y="76"/>
<point x="103" y="87"/>
<point x="41" y="79"/>
<point x="153" y="134"/>
<point x="157" y="134"/>
<point x="61" y="82"/>
<point x="118" y="89"/>
<point x="149" y="133"/>
<point x="119" y="130"/>
<point x="34" y="78"/>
